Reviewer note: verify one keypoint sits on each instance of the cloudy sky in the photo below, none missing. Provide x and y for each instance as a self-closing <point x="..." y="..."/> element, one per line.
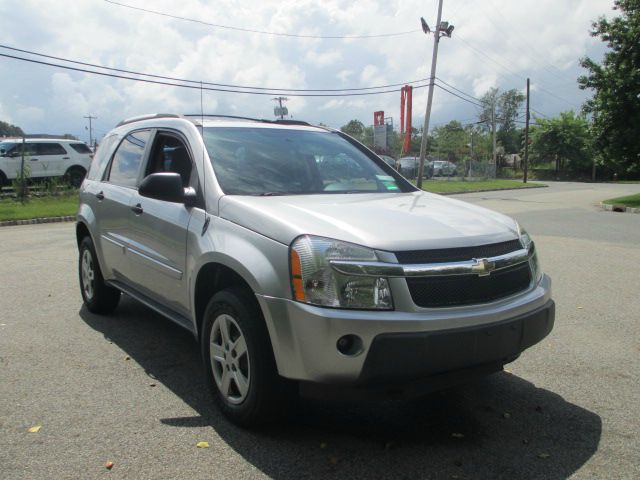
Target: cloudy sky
<point x="496" y="43"/>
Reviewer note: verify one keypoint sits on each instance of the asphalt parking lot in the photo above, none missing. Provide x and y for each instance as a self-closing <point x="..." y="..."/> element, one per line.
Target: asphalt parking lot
<point x="127" y="388"/>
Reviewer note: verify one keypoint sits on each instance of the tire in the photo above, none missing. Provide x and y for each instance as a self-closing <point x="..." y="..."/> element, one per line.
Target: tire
<point x="96" y="294"/>
<point x="3" y="179"/>
<point x="75" y="176"/>
<point x="241" y="374"/>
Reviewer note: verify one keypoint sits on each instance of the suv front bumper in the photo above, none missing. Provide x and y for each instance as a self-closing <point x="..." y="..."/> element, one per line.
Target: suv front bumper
<point x="400" y="347"/>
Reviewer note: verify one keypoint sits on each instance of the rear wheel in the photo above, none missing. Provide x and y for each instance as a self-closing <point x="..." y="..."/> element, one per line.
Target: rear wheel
<point x="238" y="360"/>
<point x="75" y="176"/>
<point x="97" y="295"/>
<point x="3" y="179"/>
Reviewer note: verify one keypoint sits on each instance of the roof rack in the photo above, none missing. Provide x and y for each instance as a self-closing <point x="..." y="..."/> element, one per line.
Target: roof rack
<point x="234" y="117"/>
<point x="147" y="117"/>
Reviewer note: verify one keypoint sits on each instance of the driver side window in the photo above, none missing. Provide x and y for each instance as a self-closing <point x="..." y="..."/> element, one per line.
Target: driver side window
<point x="170" y="154"/>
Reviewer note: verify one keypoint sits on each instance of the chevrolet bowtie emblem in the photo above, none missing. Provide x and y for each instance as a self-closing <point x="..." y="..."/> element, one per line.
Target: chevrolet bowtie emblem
<point x="483" y="267"/>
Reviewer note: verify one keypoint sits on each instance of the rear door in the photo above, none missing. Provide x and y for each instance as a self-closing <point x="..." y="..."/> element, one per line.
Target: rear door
<point x="113" y="195"/>
<point x="47" y="159"/>
<point x="158" y="231"/>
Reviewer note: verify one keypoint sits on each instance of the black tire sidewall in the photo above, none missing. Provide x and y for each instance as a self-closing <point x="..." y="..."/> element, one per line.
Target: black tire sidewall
<point x="105" y="298"/>
<point x="261" y="402"/>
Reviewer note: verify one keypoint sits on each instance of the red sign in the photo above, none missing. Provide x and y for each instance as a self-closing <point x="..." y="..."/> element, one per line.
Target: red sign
<point x="378" y="118"/>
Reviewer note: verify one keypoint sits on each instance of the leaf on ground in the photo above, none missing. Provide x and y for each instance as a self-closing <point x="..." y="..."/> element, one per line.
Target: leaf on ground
<point x="34" y="429"/>
<point x="127" y="357"/>
<point x="333" y="460"/>
<point x="152" y="384"/>
<point x="457" y="435"/>
<point x="108" y="465"/>
<point x="506" y="370"/>
<point x="506" y="415"/>
<point x="544" y="455"/>
<point x="202" y="444"/>
<point x="323" y="445"/>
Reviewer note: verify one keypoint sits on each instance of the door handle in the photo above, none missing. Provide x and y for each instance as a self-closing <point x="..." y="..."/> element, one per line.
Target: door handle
<point x="65" y="158"/>
<point x="34" y="159"/>
<point x="100" y="196"/>
<point x="137" y="209"/>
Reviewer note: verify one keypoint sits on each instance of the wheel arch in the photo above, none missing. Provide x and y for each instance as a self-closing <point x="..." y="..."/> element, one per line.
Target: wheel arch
<point x="212" y="278"/>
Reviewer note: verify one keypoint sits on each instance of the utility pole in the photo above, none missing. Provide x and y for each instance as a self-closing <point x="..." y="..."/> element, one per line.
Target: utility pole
<point x="493" y="131"/>
<point x="90" y="129"/>
<point x="281" y="111"/>
<point x="442" y="28"/>
<point x="526" y="138"/>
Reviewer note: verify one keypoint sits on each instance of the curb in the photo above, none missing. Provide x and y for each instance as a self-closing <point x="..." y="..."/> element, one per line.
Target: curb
<point x="33" y="221"/>
<point x="618" y="208"/>
<point x="491" y="190"/>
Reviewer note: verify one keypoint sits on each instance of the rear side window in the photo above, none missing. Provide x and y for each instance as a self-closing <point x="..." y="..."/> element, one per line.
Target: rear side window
<point x="101" y="159"/>
<point x="128" y="158"/>
<point x="80" y="148"/>
<point x="49" y="148"/>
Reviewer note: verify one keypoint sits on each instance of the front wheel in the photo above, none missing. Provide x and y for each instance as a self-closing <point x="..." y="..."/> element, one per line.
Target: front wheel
<point x="97" y="295"/>
<point x="238" y="360"/>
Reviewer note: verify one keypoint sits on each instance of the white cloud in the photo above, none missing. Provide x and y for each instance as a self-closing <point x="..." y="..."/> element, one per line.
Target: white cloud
<point x="495" y="43"/>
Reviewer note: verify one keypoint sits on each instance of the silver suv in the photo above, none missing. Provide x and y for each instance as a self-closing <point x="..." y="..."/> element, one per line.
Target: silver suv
<point x="302" y="262"/>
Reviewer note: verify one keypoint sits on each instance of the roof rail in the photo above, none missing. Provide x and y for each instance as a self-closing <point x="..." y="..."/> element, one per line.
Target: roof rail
<point x="234" y="117"/>
<point x="289" y="122"/>
<point x="147" y="117"/>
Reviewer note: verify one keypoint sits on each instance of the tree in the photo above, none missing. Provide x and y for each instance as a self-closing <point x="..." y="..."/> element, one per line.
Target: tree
<point x="565" y="139"/>
<point x="450" y="141"/>
<point x="506" y="106"/>
<point x="355" y="128"/>
<point x="8" y="130"/>
<point x="615" y="105"/>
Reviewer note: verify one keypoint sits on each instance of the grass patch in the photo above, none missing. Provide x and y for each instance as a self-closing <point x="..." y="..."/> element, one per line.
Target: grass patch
<point x="632" y="201"/>
<point x="39" y="208"/>
<point x="458" y="186"/>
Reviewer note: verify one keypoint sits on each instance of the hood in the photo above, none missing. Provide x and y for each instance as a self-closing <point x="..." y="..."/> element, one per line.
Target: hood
<point x="384" y="221"/>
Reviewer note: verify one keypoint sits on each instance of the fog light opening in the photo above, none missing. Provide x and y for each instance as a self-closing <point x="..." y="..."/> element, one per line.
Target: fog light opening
<point x="350" y="345"/>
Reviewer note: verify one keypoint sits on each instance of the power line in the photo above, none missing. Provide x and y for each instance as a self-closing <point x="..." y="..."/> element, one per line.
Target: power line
<point x="458" y="90"/>
<point x="513" y="73"/>
<point x="198" y="82"/>
<point x="198" y="86"/>
<point x="459" y="96"/>
<point x="262" y="32"/>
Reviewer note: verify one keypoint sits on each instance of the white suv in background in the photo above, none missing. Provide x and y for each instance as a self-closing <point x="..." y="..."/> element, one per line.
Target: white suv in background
<point x="45" y="157"/>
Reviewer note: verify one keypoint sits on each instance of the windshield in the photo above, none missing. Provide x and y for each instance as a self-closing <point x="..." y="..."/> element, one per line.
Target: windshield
<point x="277" y="161"/>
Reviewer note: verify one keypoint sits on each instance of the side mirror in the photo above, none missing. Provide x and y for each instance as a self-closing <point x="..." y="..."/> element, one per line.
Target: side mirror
<point x="167" y="186"/>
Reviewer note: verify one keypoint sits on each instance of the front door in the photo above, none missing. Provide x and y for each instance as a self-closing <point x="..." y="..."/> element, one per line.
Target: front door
<point x="158" y="242"/>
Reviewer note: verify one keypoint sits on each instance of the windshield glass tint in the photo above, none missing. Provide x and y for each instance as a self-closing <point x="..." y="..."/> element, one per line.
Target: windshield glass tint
<point x="276" y="161"/>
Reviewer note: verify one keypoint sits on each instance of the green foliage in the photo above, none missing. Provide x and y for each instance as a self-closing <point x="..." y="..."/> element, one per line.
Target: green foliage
<point x="615" y="106"/>
<point x="8" y="130"/>
<point x="565" y="139"/>
<point x="39" y="207"/>
<point x="21" y="183"/>
<point x="355" y="128"/>
<point x="632" y="201"/>
<point x="506" y="105"/>
<point x="450" y="141"/>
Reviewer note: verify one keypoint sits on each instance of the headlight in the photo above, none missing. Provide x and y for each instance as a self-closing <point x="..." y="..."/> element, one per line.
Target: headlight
<point x="528" y="243"/>
<point x="314" y="281"/>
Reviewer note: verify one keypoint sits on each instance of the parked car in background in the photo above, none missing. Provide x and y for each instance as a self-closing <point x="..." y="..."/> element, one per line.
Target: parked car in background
<point x="45" y="157"/>
<point x="409" y="166"/>
<point x="444" y="168"/>
<point x="301" y="263"/>
<point x="389" y="160"/>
